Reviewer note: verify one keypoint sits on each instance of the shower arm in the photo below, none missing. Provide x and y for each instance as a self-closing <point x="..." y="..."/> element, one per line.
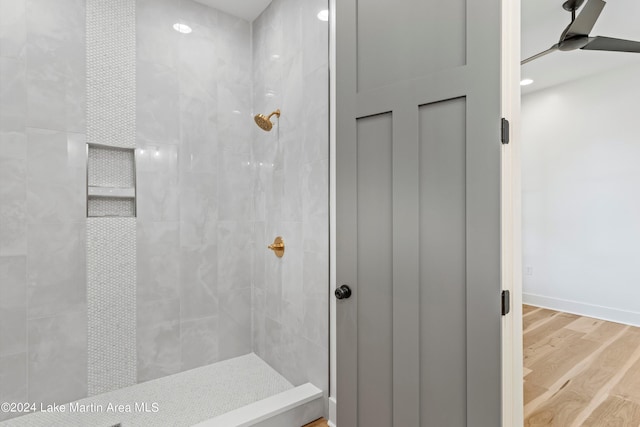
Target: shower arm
<point x="275" y="113"/>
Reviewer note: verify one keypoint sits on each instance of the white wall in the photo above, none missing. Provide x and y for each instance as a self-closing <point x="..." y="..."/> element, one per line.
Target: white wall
<point x="581" y="198"/>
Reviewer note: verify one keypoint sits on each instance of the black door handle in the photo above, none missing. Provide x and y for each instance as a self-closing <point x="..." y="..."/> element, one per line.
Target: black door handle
<point x="343" y="292"/>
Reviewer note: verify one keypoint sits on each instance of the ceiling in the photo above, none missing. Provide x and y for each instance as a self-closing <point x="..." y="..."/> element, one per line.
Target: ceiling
<point x="544" y="20"/>
<point x="245" y="9"/>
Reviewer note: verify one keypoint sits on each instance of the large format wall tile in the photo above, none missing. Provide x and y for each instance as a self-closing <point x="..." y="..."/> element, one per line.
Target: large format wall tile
<point x="157" y="41"/>
<point x="193" y="12"/>
<point x="234" y="257"/>
<point x="315" y="205"/>
<point x="58" y="358"/>
<point x="13" y="180"/>
<point x="13" y="381"/>
<point x="198" y="282"/>
<point x="13" y="28"/>
<point x="56" y="176"/>
<point x="157" y="182"/>
<point x="55" y="55"/>
<point x="13" y="138"/>
<point x="198" y="69"/>
<point x="13" y="281"/>
<point x="234" y="287"/>
<point x="57" y="268"/>
<point x="46" y="87"/>
<point x="13" y="305"/>
<point x="13" y="322"/>
<point x="234" y="331"/>
<point x="315" y="45"/>
<point x="198" y="210"/>
<point x="198" y="134"/>
<point x="235" y="183"/>
<point x="157" y="13"/>
<point x="158" y="336"/>
<point x="158" y="260"/>
<point x="13" y="89"/>
<point x="200" y="342"/>
<point x="13" y="201"/>
<point x="315" y="116"/>
<point x="158" y="100"/>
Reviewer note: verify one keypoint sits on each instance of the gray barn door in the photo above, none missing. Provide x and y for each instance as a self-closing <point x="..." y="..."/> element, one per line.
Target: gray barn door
<point x="418" y="213"/>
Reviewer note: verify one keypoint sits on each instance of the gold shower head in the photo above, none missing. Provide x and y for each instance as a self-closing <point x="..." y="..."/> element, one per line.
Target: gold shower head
<point x="265" y="121"/>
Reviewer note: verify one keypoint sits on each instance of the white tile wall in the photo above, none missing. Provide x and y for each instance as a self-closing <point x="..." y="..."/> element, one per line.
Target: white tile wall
<point x="290" y="295"/>
<point x="194" y="185"/>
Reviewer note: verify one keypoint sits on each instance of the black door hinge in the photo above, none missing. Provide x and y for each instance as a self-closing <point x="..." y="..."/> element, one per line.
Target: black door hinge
<point x="504" y="132"/>
<point x="506" y="302"/>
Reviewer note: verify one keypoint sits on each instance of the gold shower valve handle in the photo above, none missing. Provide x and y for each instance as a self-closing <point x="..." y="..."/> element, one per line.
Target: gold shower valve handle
<point x="277" y="247"/>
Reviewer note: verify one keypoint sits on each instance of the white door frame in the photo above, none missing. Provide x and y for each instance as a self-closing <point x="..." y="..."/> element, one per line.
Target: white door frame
<point x="512" y="367"/>
<point x="512" y="400"/>
<point x="332" y="215"/>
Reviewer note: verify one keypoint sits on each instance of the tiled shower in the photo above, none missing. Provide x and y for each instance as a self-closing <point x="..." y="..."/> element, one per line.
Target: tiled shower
<point x="212" y="191"/>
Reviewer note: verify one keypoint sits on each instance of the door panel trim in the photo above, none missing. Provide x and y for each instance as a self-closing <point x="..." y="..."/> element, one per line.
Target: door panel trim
<point x="406" y="274"/>
<point x="427" y="90"/>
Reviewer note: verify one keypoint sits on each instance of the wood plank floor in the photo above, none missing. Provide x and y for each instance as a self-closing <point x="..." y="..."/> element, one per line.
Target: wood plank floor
<point x="579" y="371"/>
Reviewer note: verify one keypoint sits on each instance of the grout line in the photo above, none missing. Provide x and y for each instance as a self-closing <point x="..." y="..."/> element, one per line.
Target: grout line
<point x="578" y="368"/>
<point x="58" y="314"/>
<point x="604" y="391"/>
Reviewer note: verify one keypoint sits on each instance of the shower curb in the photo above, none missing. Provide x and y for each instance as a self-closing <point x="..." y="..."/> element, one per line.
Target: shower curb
<point x="294" y="408"/>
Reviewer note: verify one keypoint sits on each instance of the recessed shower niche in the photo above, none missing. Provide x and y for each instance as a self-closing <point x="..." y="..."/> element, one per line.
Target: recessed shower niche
<point x="111" y="181"/>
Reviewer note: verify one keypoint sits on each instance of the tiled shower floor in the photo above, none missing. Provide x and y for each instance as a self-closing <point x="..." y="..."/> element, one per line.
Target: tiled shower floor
<point x="182" y="400"/>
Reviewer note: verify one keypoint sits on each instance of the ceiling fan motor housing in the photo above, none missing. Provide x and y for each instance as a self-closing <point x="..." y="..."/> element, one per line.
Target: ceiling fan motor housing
<point x="572" y="5"/>
<point x="573" y="43"/>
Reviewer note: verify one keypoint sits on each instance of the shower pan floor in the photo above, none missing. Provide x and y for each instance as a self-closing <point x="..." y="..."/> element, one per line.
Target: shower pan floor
<point x="182" y="399"/>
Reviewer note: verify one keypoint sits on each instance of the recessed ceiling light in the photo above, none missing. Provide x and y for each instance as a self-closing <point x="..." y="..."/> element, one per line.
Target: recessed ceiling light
<point x="182" y="28"/>
<point x="525" y="82"/>
<point x="323" y="15"/>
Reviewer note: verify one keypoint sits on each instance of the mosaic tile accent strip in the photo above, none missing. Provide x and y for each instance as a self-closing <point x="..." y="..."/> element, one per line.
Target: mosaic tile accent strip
<point x="111" y="298"/>
<point x="111" y="72"/>
<point x="111" y="242"/>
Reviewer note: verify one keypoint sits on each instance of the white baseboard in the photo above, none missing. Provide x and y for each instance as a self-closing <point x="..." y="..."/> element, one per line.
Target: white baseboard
<point x="332" y="412"/>
<point x="590" y="310"/>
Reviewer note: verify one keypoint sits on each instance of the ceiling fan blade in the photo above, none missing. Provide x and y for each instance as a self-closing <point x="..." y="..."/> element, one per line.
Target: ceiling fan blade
<point x="538" y="55"/>
<point x="587" y="18"/>
<point x="616" y="45"/>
